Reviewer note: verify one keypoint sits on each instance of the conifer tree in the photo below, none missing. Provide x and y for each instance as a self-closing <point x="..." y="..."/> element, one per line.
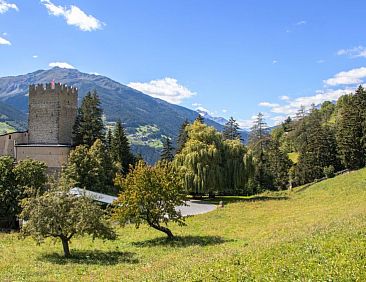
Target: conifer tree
<point x="109" y="140"/>
<point x="231" y="130"/>
<point x="279" y="165"/>
<point x="120" y="148"/>
<point x="258" y="144"/>
<point x="167" y="153"/>
<point x="89" y="124"/>
<point x="351" y="129"/>
<point x="183" y="136"/>
<point x="200" y="119"/>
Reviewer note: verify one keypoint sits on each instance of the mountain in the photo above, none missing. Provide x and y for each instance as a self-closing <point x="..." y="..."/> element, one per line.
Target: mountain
<point x="146" y="119"/>
<point x="206" y="115"/>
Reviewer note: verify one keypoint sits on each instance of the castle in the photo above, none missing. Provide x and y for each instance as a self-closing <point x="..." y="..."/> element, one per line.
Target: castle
<point x="52" y="114"/>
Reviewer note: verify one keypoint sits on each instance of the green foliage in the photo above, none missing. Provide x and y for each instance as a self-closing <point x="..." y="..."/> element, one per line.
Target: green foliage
<point x="60" y="215"/>
<point x="313" y="234"/>
<point x="6" y="128"/>
<point x="150" y="194"/>
<point x="120" y="148"/>
<point x="210" y="165"/>
<point x="200" y="160"/>
<point x="90" y="169"/>
<point x="167" y="153"/>
<point x="182" y="136"/>
<point x="351" y="129"/>
<point x="18" y="182"/>
<point x="231" y="130"/>
<point x="329" y="171"/>
<point x="89" y="124"/>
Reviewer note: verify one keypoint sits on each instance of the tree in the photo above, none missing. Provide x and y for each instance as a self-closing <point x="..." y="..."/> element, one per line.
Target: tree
<point x="89" y="124"/>
<point x="259" y="141"/>
<point x="200" y="119"/>
<point x="231" y="130"/>
<point x="182" y="136"/>
<point x="167" y="151"/>
<point x="351" y="129"/>
<point x="9" y="193"/>
<point x="60" y="215"/>
<point x="200" y="160"/>
<point x="18" y="182"/>
<point x="120" y="149"/>
<point x="90" y="169"/>
<point x="150" y="194"/>
<point x="279" y="165"/>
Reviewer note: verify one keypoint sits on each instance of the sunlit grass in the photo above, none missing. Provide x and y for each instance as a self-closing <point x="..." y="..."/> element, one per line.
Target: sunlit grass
<point x="313" y="234"/>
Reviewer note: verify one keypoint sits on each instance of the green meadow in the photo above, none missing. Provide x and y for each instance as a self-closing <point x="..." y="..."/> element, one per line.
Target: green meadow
<point x="316" y="233"/>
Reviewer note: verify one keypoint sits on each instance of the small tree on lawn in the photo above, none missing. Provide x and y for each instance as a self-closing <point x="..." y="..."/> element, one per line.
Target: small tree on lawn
<point x="60" y="215"/>
<point x="150" y="194"/>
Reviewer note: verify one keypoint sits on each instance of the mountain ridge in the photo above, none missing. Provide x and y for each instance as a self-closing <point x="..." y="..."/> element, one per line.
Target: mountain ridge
<point x="134" y="108"/>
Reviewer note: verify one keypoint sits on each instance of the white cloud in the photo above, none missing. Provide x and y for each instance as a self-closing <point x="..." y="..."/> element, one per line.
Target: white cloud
<point x="267" y="104"/>
<point x="35" y="56"/>
<point x="3" y="41"/>
<point x="359" y="51"/>
<point x="224" y="111"/>
<point x="284" y="97"/>
<point x="196" y="104"/>
<point x="301" y="23"/>
<point x="353" y="76"/>
<point x="320" y="61"/>
<point x="74" y="16"/>
<point x="274" y="62"/>
<point x="278" y="119"/>
<point x="62" y="65"/>
<point x="167" y="89"/>
<point x="5" y="6"/>
<point x="291" y="106"/>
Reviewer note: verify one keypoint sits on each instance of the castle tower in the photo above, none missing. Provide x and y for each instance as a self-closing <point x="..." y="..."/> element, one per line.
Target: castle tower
<point x="52" y="113"/>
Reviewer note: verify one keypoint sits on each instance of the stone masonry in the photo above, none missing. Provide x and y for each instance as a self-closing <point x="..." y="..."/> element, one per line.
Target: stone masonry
<point x="52" y="113"/>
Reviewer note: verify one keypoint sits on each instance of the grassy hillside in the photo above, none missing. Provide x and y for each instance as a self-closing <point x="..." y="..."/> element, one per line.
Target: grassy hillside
<point x="312" y="234"/>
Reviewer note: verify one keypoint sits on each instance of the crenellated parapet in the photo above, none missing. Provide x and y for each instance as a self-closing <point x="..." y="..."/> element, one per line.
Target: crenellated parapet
<point x="52" y="89"/>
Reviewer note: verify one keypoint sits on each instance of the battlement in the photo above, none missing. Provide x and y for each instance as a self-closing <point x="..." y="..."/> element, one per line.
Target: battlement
<point x="52" y="88"/>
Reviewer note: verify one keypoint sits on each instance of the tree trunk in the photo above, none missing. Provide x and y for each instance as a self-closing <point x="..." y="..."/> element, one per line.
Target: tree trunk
<point x="163" y="229"/>
<point x="65" y="245"/>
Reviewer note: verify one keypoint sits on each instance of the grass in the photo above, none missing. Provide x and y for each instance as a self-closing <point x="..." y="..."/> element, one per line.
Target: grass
<point x="6" y="128"/>
<point x="314" y="234"/>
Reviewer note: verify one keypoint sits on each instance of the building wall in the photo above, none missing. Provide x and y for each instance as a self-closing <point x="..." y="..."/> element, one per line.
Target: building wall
<point x="53" y="156"/>
<point x="7" y="142"/>
<point x="52" y="113"/>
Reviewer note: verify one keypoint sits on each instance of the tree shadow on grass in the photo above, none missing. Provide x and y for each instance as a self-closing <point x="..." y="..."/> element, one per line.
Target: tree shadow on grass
<point x="92" y="257"/>
<point x="234" y="199"/>
<point x="182" y="241"/>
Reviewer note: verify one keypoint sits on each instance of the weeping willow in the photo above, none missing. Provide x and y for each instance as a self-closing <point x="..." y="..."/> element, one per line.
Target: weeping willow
<point x="210" y="165"/>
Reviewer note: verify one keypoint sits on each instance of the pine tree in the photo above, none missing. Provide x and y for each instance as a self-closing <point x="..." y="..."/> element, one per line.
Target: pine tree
<point x="182" y="137"/>
<point x="258" y="144"/>
<point x="167" y="151"/>
<point x="109" y="140"/>
<point x="231" y="130"/>
<point x="279" y="165"/>
<point x="89" y="124"/>
<point x="120" y="148"/>
<point x="200" y="119"/>
<point x="351" y="129"/>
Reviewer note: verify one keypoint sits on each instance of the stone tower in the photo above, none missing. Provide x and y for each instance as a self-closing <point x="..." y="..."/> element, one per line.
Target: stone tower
<point x="52" y="113"/>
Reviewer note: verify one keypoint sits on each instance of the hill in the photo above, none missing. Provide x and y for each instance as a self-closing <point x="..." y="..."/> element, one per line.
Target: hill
<point x="312" y="234"/>
<point x="136" y="109"/>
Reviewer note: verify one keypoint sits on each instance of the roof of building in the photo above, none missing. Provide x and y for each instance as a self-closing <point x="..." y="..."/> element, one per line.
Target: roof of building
<point x="103" y="198"/>
<point x="43" y="145"/>
<point x="5" y="134"/>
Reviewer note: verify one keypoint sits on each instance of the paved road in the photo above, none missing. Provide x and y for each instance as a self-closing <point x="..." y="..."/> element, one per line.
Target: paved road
<point x="196" y="207"/>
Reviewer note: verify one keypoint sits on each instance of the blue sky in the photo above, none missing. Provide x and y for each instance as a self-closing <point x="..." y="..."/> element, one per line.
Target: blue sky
<point x="233" y="58"/>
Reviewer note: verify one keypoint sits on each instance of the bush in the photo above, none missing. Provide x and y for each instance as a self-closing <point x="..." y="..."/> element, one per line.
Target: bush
<point x="329" y="171"/>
